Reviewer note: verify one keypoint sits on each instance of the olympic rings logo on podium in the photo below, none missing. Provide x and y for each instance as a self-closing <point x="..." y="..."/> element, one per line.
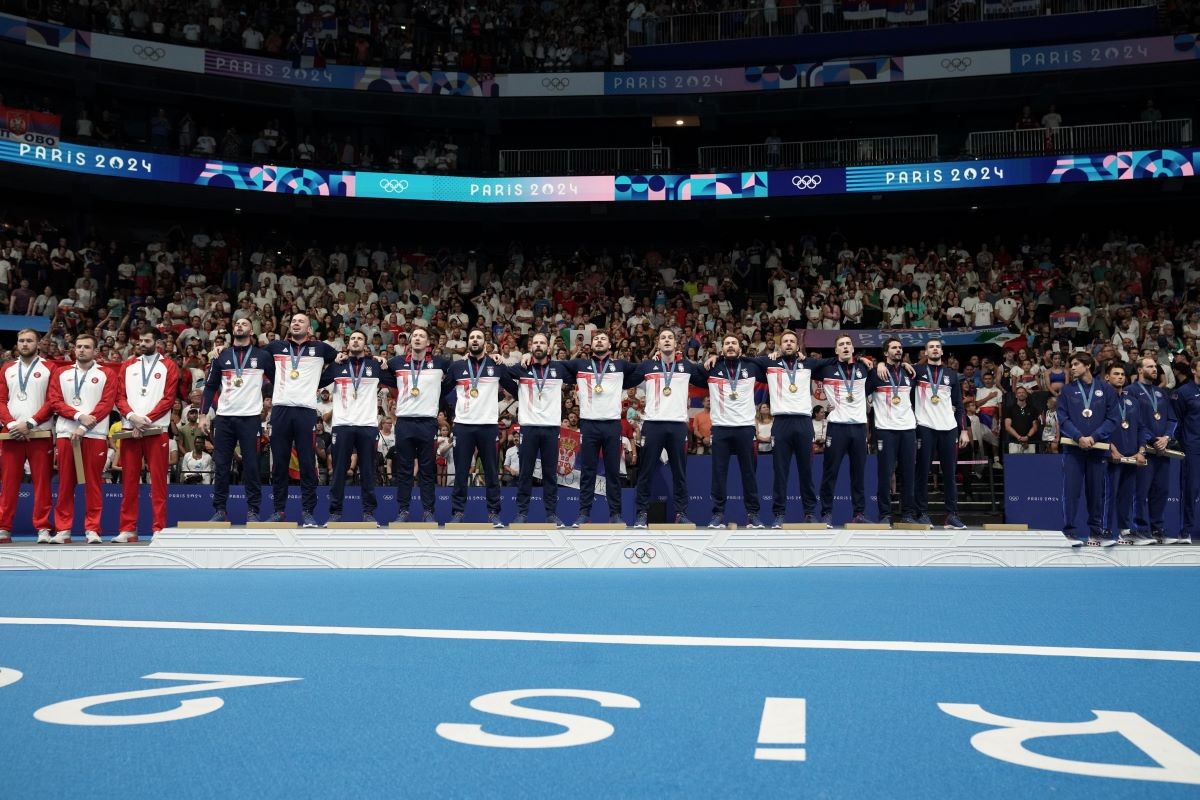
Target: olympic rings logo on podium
<point x="640" y="555"/>
<point x="806" y="181"/>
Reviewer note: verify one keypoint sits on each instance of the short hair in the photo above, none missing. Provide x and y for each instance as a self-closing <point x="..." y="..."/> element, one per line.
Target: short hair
<point x="1115" y="364"/>
<point x="733" y="336"/>
<point x="663" y="330"/>
<point x="482" y="332"/>
<point x="843" y="336"/>
<point x="154" y="332"/>
<point x="888" y="342"/>
<point x="789" y="332"/>
<point x="37" y="337"/>
<point x="933" y="339"/>
<point x="83" y="336"/>
<point x="360" y="332"/>
<point x="1084" y="358"/>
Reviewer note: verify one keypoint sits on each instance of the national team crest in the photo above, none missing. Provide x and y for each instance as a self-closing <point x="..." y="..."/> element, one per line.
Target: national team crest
<point x="157" y="376"/>
<point x="1099" y="393"/>
<point x="552" y="375"/>
<point x="491" y="371"/>
<point x="254" y="362"/>
<point x="312" y="351"/>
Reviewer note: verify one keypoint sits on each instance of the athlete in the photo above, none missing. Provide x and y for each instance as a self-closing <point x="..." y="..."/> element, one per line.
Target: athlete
<point x="664" y="424"/>
<point x="419" y="375"/>
<point x="731" y="381"/>
<point x="845" y="383"/>
<point x="600" y="382"/>
<point x="1087" y="414"/>
<point x="1186" y="399"/>
<point x="539" y="412"/>
<point x="82" y="396"/>
<point x="895" y="433"/>
<point x="476" y="382"/>
<point x="1128" y="441"/>
<point x="1158" y="418"/>
<point x="356" y="377"/>
<point x="941" y="431"/>
<point x="237" y="379"/>
<point x="147" y="388"/>
<point x="25" y="408"/>
<point x="299" y="363"/>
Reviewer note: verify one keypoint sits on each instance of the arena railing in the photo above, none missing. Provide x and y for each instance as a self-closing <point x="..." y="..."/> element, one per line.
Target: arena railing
<point x="1079" y="138"/>
<point x="821" y="153"/>
<point x="585" y="161"/>
<point x="759" y="21"/>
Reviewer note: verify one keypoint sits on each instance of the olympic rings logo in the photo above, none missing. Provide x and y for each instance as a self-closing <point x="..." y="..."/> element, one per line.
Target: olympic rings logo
<point x="149" y="53"/>
<point x="806" y="181"/>
<point x="640" y="555"/>
<point x="393" y="185"/>
<point x="557" y="84"/>
<point x="956" y="64"/>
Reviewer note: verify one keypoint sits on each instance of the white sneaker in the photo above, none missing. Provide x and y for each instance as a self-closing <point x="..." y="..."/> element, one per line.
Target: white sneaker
<point x="62" y="537"/>
<point x="1107" y="542"/>
<point x="1171" y="540"/>
<point x="43" y="536"/>
<point x="92" y="537"/>
<point x="5" y="537"/>
<point x="124" y="537"/>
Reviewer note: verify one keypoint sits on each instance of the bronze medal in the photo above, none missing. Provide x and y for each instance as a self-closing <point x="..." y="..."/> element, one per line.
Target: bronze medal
<point x="733" y="395"/>
<point x="849" y="397"/>
<point x="1157" y="416"/>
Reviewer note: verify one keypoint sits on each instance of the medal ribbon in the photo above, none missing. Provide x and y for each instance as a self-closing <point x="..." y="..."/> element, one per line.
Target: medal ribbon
<point x="473" y="375"/>
<point x="79" y="381"/>
<point x="1121" y="407"/>
<point x="23" y="380"/>
<point x="935" y="379"/>
<point x="792" y="370"/>
<point x="1087" y="397"/>
<point x="733" y="377"/>
<point x="849" y="382"/>
<point x="895" y="384"/>
<point x="239" y="364"/>
<point x="415" y="366"/>
<point x="600" y="370"/>
<point x="1149" y="396"/>
<point x="356" y="377"/>
<point x="540" y="380"/>
<point x="146" y="373"/>
<point x="667" y="376"/>
<point x="295" y="351"/>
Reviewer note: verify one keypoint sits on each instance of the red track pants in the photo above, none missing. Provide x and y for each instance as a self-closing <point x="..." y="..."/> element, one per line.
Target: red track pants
<point x="40" y="455"/>
<point x="154" y="450"/>
<point x="95" y="452"/>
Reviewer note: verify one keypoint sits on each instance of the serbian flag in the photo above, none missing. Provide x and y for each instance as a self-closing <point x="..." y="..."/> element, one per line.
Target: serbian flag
<point x="569" y="442"/>
<point x="294" y="465"/>
<point x="901" y="11"/>
<point x="864" y="9"/>
<point x="1065" y="319"/>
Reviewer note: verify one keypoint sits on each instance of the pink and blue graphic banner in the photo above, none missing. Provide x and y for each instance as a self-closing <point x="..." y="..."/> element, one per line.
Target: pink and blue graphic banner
<point x="673" y="187"/>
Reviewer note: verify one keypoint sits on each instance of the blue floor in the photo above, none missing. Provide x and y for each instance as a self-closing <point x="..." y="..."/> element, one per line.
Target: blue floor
<point x="361" y="720"/>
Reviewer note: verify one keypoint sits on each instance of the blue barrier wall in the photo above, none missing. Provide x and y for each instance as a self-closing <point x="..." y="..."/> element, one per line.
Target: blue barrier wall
<point x="190" y="502"/>
<point x="1033" y="493"/>
<point x="900" y="41"/>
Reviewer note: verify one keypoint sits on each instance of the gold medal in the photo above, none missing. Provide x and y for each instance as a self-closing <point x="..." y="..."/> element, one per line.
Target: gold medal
<point x="474" y="393"/>
<point x="354" y="395"/>
<point x="294" y="374"/>
<point x="599" y="389"/>
<point x="415" y="392"/>
<point x="733" y="395"/>
<point x="666" y="391"/>
<point x="1157" y="416"/>
<point x="895" y="399"/>
<point x="793" y="388"/>
<point x="1125" y="424"/>
<point x="1087" y="412"/>
<point x="935" y="399"/>
<point x="238" y="381"/>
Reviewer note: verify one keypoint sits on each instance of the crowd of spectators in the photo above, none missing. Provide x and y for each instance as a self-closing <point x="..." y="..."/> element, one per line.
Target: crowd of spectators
<point x="1119" y="296"/>
<point x="478" y="36"/>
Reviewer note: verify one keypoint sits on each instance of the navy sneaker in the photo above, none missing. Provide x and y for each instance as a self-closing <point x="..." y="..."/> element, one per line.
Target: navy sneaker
<point x="908" y="519"/>
<point x="860" y="519"/>
<point x="924" y="520"/>
<point x="752" y="521"/>
<point x="682" y="519"/>
<point x="277" y="517"/>
<point x="810" y="518"/>
<point x="457" y="516"/>
<point x="402" y="517"/>
<point x="334" y="518"/>
<point x="579" y="521"/>
<point x="519" y="519"/>
<point x="369" y="519"/>
<point x="717" y="521"/>
<point x="827" y="520"/>
<point x="556" y="522"/>
<point x="495" y="520"/>
<point x="641" y="521"/>
<point x="307" y="520"/>
<point x="952" y="521"/>
<point x="885" y="521"/>
<point x="428" y="517"/>
<point x="219" y="516"/>
<point x="252" y="515"/>
<point x="777" y="525"/>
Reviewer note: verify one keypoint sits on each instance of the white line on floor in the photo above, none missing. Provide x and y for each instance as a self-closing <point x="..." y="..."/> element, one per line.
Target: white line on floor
<point x="625" y="639"/>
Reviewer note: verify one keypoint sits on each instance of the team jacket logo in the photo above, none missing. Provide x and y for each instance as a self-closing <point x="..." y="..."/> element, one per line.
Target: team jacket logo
<point x="1099" y="393"/>
<point x="552" y="375"/>
<point x="254" y="362"/>
<point x="312" y="351"/>
<point x="157" y="375"/>
<point x="491" y="371"/>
